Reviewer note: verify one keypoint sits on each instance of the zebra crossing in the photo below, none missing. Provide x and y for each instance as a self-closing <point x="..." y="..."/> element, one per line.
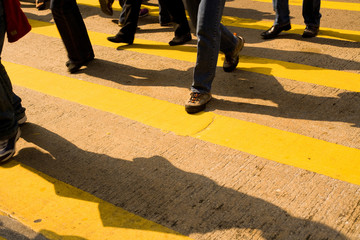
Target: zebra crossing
<point x="57" y="209"/>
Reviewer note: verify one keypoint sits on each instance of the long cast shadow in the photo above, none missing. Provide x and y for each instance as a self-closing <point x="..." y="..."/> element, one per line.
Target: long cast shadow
<point x="241" y="84"/>
<point x="155" y="189"/>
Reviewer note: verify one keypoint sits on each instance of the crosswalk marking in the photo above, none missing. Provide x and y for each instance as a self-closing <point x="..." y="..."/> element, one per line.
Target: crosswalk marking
<point x="330" y="33"/>
<point x="325" y="4"/>
<point x="46" y="205"/>
<point x="319" y="156"/>
<point x="340" y="34"/>
<point x="298" y="72"/>
<point x="154" y="10"/>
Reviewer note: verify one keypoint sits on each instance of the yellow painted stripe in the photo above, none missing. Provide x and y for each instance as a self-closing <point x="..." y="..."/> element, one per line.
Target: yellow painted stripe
<point x="276" y="68"/>
<point x="331" y="33"/>
<point x="60" y="211"/>
<point x="340" y="34"/>
<point x="325" y="4"/>
<point x="154" y="10"/>
<point x="326" y="158"/>
<point x="1" y="238"/>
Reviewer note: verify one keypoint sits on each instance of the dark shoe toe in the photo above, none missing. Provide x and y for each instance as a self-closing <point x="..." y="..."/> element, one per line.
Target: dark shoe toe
<point x="275" y="30"/>
<point x="75" y="66"/>
<point x="121" y="39"/>
<point x="179" y="40"/>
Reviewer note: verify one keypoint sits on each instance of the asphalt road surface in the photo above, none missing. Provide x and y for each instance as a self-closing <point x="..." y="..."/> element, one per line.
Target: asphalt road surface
<point x="110" y="153"/>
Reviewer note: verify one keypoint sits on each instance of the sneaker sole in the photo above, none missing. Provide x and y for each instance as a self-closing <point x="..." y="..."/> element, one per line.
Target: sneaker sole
<point x="22" y="120"/>
<point x="196" y="109"/>
<point x="11" y="152"/>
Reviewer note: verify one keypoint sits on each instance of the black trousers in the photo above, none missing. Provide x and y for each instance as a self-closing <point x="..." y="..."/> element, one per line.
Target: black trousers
<point x="72" y="29"/>
<point x="175" y="8"/>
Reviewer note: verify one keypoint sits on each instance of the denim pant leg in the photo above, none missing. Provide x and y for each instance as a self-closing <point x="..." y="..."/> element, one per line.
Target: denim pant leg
<point x="311" y="12"/>
<point x="206" y="15"/>
<point x="8" y="123"/>
<point x="282" y="12"/>
<point x="228" y="41"/>
<point x="72" y="29"/>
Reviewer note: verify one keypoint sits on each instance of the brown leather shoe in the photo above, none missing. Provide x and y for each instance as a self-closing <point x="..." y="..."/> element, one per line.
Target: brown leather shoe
<point x="310" y="32"/>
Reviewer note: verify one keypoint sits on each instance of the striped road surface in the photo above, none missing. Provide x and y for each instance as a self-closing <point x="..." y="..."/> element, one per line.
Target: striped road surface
<point x="110" y="153"/>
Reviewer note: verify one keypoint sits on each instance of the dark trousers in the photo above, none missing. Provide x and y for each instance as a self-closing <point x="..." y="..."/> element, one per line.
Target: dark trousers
<point x="177" y="11"/>
<point x="10" y="104"/>
<point x="131" y="9"/>
<point x="175" y="8"/>
<point x="72" y="29"/>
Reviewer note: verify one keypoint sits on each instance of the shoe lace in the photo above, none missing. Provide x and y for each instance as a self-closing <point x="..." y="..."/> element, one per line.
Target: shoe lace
<point x="195" y="97"/>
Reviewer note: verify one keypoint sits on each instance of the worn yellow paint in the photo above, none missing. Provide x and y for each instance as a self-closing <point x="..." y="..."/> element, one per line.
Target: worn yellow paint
<point x="276" y="68"/>
<point x="340" y="34"/>
<point x="1" y="238"/>
<point x="325" y="4"/>
<point x="154" y="10"/>
<point x="60" y="211"/>
<point x="331" y="33"/>
<point x="326" y="158"/>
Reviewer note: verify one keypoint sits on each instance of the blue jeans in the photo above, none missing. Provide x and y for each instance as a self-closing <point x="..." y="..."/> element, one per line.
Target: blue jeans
<point x="10" y="104"/>
<point x="212" y="37"/>
<point x="310" y="12"/>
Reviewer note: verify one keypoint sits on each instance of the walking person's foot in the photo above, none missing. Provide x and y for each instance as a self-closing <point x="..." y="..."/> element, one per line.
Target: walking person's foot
<point x="197" y="102"/>
<point x="179" y="40"/>
<point x="275" y="30"/>
<point x="232" y="59"/>
<point x="310" y="32"/>
<point x="121" y="38"/>
<point x="7" y="147"/>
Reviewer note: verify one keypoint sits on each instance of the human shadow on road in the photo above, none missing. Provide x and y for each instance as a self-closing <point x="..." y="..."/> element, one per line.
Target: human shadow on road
<point x="243" y="85"/>
<point x="305" y="57"/>
<point x="284" y="103"/>
<point x="155" y="189"/>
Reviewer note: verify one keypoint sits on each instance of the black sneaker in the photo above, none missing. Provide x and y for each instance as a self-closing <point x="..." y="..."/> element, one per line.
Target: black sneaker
<point x="7" y="147"/>
<point x="232" y="58"/>
<point x="197" y="102"/>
